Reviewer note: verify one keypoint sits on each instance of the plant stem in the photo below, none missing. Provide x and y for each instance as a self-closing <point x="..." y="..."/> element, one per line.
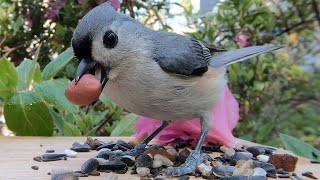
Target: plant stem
<point x="104" y="123"/>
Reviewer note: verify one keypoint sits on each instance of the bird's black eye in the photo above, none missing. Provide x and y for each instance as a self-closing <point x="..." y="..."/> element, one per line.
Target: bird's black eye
<point x="110" y="39"/>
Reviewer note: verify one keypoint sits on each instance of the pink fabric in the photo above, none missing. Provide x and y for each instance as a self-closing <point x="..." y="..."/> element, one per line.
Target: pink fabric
<point x="225" y="117"/>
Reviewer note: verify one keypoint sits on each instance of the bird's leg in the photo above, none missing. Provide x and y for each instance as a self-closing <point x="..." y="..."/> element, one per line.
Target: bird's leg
<point x="196" y="157"/>
<point x="141" y="147"/>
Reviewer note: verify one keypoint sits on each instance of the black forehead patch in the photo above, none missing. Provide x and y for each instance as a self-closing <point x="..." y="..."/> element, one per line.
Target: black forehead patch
<point x="82" y="47"/>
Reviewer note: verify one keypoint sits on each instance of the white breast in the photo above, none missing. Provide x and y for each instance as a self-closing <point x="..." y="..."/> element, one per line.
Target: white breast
<point x="149" y="91"/>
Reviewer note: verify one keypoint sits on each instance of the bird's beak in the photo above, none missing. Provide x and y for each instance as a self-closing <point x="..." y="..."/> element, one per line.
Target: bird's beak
<point x="89" y="65"/>
<point x="85" y="65"/>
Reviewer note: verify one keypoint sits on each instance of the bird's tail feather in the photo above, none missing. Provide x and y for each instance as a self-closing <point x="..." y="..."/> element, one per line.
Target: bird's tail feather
<point x="233" y="56"/>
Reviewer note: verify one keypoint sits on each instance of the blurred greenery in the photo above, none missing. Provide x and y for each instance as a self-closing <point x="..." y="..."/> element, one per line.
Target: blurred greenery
<point x="277" y="92"/>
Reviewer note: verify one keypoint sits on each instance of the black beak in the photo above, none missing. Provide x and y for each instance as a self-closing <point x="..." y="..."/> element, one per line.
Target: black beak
<point x="88" y="65"/>
<point x="85" y="65"/>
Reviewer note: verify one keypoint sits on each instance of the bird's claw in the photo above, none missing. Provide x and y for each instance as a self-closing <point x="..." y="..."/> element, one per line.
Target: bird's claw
<point x="189" y="166"/>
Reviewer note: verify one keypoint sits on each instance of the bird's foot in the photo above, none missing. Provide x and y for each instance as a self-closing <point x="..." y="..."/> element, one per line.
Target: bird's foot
<point x="189" y="166"/>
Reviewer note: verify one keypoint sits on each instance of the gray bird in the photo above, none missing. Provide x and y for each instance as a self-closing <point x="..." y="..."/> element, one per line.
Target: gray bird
<point x="160" y="75"/>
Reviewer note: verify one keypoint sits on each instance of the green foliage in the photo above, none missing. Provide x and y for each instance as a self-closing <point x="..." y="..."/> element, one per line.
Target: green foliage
<point x="299" y="147"/>
<point x="52" y="91"/>
<point x="8" y="78"/>
<point x="27" y="115"/>
<point x="27" y="110"/>
<point x="57" y="65"/>
<point x="125" y="126"/>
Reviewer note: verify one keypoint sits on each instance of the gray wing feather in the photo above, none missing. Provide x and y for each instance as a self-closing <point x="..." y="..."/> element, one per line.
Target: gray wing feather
<point x="233" y="56"/>
<point x="181" y="55"/>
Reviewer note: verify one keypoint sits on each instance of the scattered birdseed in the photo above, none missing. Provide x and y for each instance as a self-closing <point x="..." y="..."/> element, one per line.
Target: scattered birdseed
<point x="35" y="167"/>
<point x="309" y="175"/>
<point x="252" y="163"/>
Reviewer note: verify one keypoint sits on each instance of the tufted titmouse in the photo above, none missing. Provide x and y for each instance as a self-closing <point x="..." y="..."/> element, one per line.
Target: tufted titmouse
<point x="154" y="74"/>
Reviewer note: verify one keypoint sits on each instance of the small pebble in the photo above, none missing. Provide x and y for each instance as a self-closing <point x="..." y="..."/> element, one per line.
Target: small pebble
<point x="171" y="150"/>
<point x="249" y="154"/>
<point x="35" y="167"/>
<point x="309" y="175"/>
<point x="70" y="153"/>
<point x="223" y="148"/>
<point x="259" y="172"/>
<point x="269" y="168"/>
<point x="143" y="171"/>
<point x="256" y="150"/>
<point x="245" y="169"/>
<point x="263" y="158"/>
<point x="204" y="169"/>
<point x="90" y="165"/>
<point x="183" y="155"/>
<point x="161" y="151"/>
<point x="50" y="151"/>
<point x="143" y="161"/>
<point x="156" y="164"/>
<point x="223" y="170"/>
<point x="165" y="161"/>
<point x="230" y="152"/>
<point x="238" y="156"/>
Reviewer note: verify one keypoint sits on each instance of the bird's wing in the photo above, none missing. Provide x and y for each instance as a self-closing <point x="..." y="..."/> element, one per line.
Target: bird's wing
<point x="183" y="55"/>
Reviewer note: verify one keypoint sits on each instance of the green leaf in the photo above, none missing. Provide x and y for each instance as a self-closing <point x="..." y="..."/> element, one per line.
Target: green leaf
<point x="36" y="55"/>
<point x="8" y="78"/>
<point x="52" y="91"/>
<point x="57" y="64"/>
<point x="125" y="126"/>
<point x="27" y="115"/>
<point x="37" y="73"/>
<point x="18" y="23"/>
<point x="299" y="147"/>
<point x="107" y="102"/>
<point x="65" y="128"/>
<point x="27" y="70"/>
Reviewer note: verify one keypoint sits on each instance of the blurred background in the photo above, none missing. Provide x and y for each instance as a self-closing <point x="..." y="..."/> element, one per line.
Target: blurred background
<point x="278" y="92"/>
